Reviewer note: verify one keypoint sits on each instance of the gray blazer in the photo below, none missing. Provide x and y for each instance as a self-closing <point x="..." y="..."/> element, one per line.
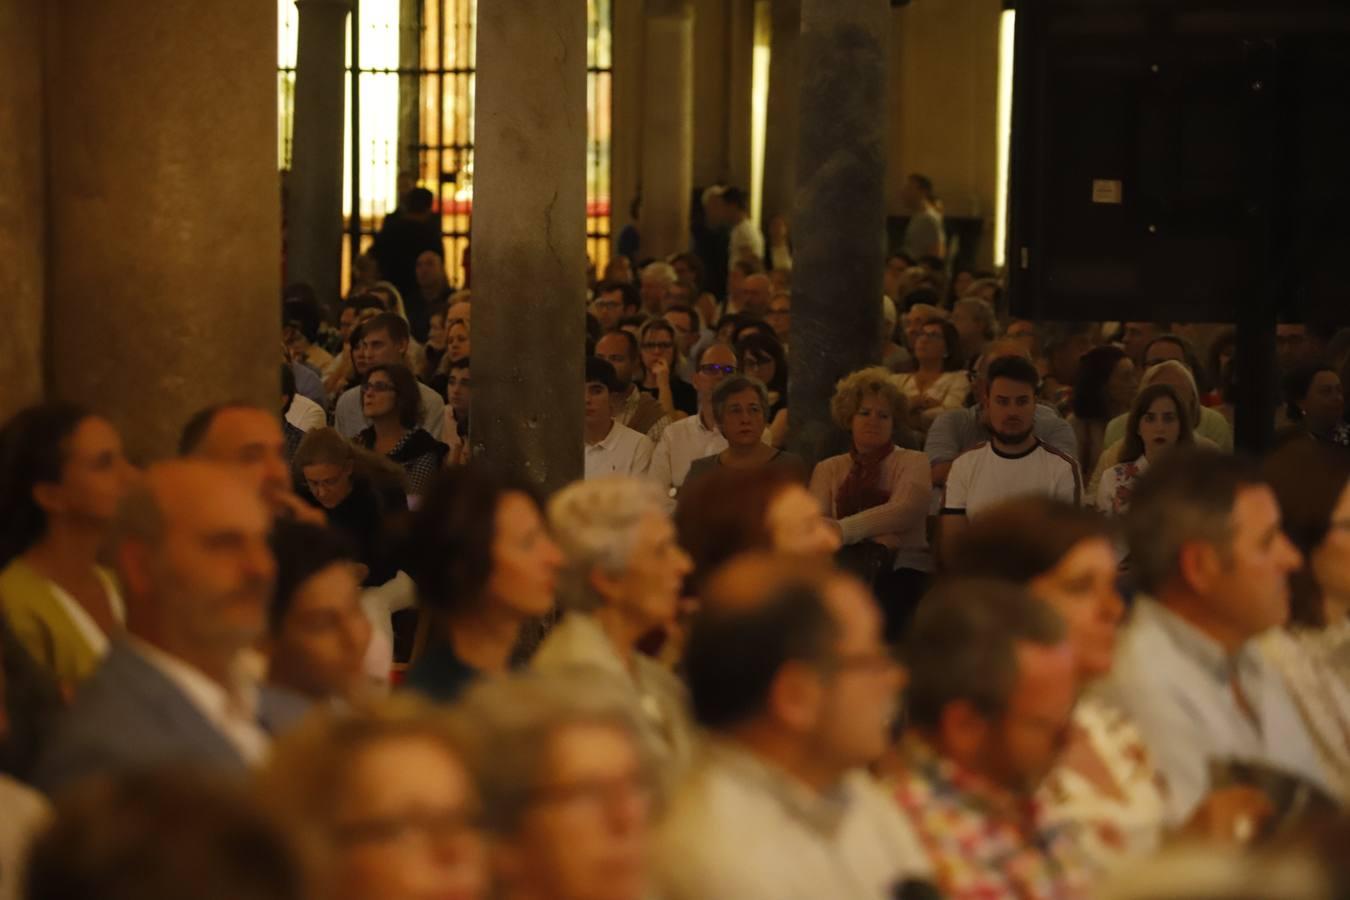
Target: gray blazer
<point x="129" y="715"/>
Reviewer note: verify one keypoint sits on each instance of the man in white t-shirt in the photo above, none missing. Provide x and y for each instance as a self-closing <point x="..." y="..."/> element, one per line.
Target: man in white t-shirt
<point x="611" y="448"/>
<point x="1014" y="462"/>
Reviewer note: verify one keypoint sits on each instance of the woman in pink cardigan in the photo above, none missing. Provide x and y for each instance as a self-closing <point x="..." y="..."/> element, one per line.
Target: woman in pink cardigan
<point x="878" y="495"/>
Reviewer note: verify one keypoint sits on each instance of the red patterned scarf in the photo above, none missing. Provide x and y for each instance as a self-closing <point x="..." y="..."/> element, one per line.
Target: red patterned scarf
<point x="862" y="487"/>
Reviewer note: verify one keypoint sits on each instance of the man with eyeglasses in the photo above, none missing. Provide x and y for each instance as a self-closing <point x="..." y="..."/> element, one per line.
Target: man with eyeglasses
<point x="384" y="342"/>
<point x="694" y="437"/>
<point x="613" y="300"/>
<point x="790" y="677"/>
<point x="636" y="409"/>
<point x="990" y="703"/>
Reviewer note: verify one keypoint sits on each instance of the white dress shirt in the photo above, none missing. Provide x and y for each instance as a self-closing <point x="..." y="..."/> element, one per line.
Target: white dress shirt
<point x="305" y="414"/>
<point x="681" y="443"/>
<point x="622" y="452"/>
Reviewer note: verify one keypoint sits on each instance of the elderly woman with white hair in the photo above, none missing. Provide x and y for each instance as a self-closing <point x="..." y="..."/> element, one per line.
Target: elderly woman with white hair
<point x="622" y="580"/>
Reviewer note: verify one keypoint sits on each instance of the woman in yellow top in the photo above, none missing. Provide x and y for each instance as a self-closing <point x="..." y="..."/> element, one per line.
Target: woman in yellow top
<point x="62" y="474"/>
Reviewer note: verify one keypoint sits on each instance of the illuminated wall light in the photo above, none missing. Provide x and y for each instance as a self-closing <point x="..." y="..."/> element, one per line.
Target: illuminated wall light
<point x="1006" y="32"/>
<point x="759" y="108"/>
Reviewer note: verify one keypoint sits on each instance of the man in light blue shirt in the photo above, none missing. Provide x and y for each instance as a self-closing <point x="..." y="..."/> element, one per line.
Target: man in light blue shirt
<point x="1206" y="544"/>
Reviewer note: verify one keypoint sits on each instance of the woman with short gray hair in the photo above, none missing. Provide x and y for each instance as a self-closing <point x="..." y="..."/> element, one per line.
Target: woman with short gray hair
<point x="622" y="580"/>
<point x="566" y="788"/>
<point x="741" y="408"/>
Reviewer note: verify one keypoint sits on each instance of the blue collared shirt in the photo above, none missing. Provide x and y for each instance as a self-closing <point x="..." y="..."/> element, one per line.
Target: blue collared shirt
<point x="1177" y="684"/>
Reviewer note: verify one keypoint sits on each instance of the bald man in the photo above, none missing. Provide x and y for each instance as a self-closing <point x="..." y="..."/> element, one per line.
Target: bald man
<point x="190" y="546"/>
<point x="250" y="439"/>
<point x="753" y="296"/>
<point x="788" y="673"/>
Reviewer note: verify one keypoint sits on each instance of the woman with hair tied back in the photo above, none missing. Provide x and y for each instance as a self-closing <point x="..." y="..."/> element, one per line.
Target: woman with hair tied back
<point x="62" y="476"/>
<point x="361" y="494"/>
<point x="878" y="495"/>
<point x="622" y="581"/>
<point x="390" y="399"/>
<point x="485" y="567"/>
<point x="1311" y="480"/>
<point x="1105" y="792"/>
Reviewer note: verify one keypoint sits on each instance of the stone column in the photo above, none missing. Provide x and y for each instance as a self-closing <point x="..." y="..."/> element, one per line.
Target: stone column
<point x="667" y="127"/>
<point x="840" y="217"/>
<point x="163" y="216"/>
<point x="739" y="88"/>
<point x="314" y="204"/>
<point x="409" y="88"/>
<point x="626" y="131"/>
<point x="529" y="237"/>
<point x="781" y="130"/>
<point x="23" y="221"/>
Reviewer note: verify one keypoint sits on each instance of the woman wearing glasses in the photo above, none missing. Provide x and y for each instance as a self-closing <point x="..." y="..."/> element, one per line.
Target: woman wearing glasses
<point x="940" y="382"/>
<point x="659" y="361"/>
<point x="392" y="402"/>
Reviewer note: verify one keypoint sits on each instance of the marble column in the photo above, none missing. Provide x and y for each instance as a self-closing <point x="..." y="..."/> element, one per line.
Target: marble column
<point x="840" y="216"/>
<point x="667" y="127"/>
<point x="164" y="225"/>
<point x="783" y="110"/>
<point x="314" y="186"/>
<point x="23" y="221"/>
<point x="529" y="238"/>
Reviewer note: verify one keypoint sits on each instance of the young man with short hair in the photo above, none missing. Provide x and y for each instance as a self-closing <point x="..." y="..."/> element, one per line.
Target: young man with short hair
<point x="384" y="342"/>
<point x="637" y="409"/>
<point x="611" y="448"/>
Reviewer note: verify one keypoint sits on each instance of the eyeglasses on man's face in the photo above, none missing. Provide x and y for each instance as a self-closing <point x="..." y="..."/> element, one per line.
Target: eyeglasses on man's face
<point x="716" y="369"/>
<point x="658" y="345"/>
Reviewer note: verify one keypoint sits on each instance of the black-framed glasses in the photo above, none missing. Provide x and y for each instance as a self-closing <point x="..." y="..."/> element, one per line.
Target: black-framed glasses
<point x="658" y="345"/>
<point x="378" y="387"/>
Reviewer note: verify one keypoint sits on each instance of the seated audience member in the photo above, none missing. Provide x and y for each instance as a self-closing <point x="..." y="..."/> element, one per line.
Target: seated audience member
<point x="62" y="474"/>
<point x="191" y="549"/>
<point x="1158" y="424"/>
<point x="384" y="341"/>
<point x="346" y="368"/>
<point x="1206" y="546"/>
<point x="458" y="402"/>
<point x="623" y="577"/>
<point x="654" y="284"/>
<point x="728" y="513"/>
<point x="31" y="702"/>
<point x="740" y="407"/>
<point x="301" y="320"/>
<point x="938" y="382"/>
<point x="698" y="435"/>
<point x="958" y="430"/>
<point x="392" y="403"/>
<point x="1105" y="791"/>
<point x="878" y="495"/>
<point x="249" y="439"/>
<point x="484" y="564"/>
<point x="1064" y="345"/>
<point x="659" y="361"/>
<point x="779" y="316"/>
<point x="1014" y="463"/>
<point x="318" y="633"/>
<point x="457" y="343"/>
<point x="893" y="355"/>
<point x="308" y="384"/>
<point x="1207" y="423"/>
<point x="386" y="799"/>
<point x="156" y="835"/>
<point x="360" y="494"/>
<point x="433" y="352"/>
<point x="1166" y="347"/>
<point x="1136" y="337"/>
<point x="1105" y="388"/>
<point x="990" y="703"/>
<point x="566" y="791"/>
<point x="634" y="408"/>
<point x="614" y="300"/>
<point x="976" y="323"/>
<point x="789" y="676"/>
<point x="297" y="414"/>
<point x="610" y="448"/>
<point x="764" y="359"/>
<point x="1312" y="652"/>
<point x="689" y="332"/>
<point x="1314" y="404"/>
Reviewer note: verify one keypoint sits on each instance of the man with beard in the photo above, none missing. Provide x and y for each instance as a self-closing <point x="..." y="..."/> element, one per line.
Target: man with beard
<point x="190" y="544"/>
<point x="1014" y="462"/>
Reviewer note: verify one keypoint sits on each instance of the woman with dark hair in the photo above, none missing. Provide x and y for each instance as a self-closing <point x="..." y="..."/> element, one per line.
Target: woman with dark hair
<point x="762" y="357"/>
<point x="62" y="476"/>
<point x="1158" y="422"/>
<point x="458" y="402"/>
<point x="1312" y="483"/>
<point x="729" y="512"/>
<point x="660" y="359"/>
<point x="392" y="402"/>
<point x="1105" y="793"/>
<point x="361" y="494"/>
<point x="485" y="566"/>
<point x="1314" y="402"/>
<point x="1104" y="389"/>
<point x="939" y="382"/>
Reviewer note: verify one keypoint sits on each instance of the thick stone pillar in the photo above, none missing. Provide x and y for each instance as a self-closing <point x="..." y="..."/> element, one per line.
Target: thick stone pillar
<point x="840" y="217"/>
<point x="314" y="203"/>
<point x="626" y="88"/>
<point x="409" y="87"/>
<point x="163" y="215"/>
<point x="23" y="221"/>
<point x="529" y="237"/>
<point x="667" y="127"/>
<point x="783" y="112"/>
<point x="739" y="90"/>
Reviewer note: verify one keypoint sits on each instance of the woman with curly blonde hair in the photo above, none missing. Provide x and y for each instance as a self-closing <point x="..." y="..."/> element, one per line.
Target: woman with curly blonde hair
<point x="878" y="494"/>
